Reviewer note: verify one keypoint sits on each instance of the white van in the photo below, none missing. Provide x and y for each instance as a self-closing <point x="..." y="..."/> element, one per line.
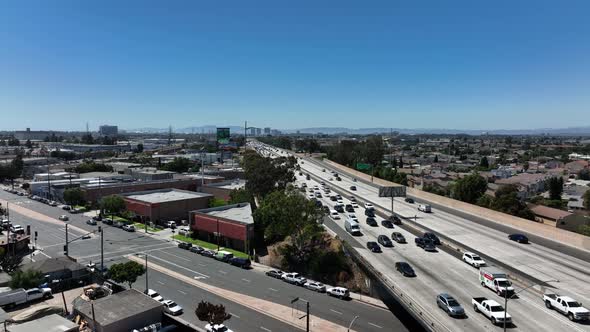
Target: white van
<point x="424" y="208"/>
<point x="495" y="280"/>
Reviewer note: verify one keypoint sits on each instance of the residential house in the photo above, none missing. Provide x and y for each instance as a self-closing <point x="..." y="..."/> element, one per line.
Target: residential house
<point x="528" y="184"/>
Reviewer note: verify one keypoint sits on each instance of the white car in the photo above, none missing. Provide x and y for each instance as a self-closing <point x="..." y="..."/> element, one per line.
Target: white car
<point x="129" y="228"/>
<point x="17" y="229"/>
<point x="217" y="328"/>
<point x="352" y="216"/>
<point x="369" y="206"/>
<point x="339" y="201"/>
<point x="172" y="308"/>
<point x="334" y="215"/>
<point x="53" y="203"/>
<point x="155" y="295"/>
<point x="339" y="292"/>
<point x="315" y="286"/>
<point x="63" y="217"/>
<point x="294" y="278"/>
<point x="473" y="259"/>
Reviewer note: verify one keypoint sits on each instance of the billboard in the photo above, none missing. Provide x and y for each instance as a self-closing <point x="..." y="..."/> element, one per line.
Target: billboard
<point x="223" y="136"/>
<point x="397" y="191"/>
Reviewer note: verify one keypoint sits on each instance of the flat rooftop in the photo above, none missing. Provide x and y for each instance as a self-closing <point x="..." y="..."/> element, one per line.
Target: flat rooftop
<point x="51" y="323"/>
<point x="230" y="185"/>
<point x="162" y="196"/>
<point x="241" y="212"/>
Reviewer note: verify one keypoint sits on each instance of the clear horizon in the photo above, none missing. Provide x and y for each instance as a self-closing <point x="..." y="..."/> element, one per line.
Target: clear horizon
<point x="141" y="64"/>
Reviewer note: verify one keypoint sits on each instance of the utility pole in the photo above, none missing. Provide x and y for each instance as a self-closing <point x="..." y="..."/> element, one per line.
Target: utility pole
<point x="146" y="272"/>
<point x="307" y="328"/>
<point x="8" y="230"/>
<point x="101" y="250"/>
<point x="48" y="180"/>
<point x="218" y="235"/>
<point x="66" y="252"/>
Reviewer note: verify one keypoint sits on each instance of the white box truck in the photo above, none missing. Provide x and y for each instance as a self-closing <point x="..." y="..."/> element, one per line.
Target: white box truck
<point x="495" y="280"/>
<point x="19" y="296"/>
<point x="352" y="226"/>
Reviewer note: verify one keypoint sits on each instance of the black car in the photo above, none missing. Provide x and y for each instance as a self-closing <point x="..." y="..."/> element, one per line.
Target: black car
<point x="352" y="199"/>
<point x="384" y="241"/>
<point x="107" y="221"/>
<point x="326" y="208"/>
<point x="349" y="208"/>
<point x="432" y="237"/>
<point x="244" y="263"/>
<point x="405" y="269"/>
<point x="425" y="244"/>
<point x="339" y="208"/>
<point x="353" y="188"/>
<point x="338" y="179"/>
<point x="398" y="237"/>
<point x="97" y="218"/>
<point x="409" y="200"/>
<point x="371" y="221"/>
<point x="333" y="198"/>
<point x="370" y="213"/>
<point x="275" y="274"/>
<point x="318" y="203"/>
<point x="208" y="253"/>
<point x="386" y="223"/>
<point x="520" y="238"/>
<point x="395" y="220"/>
<point x="185" y="245"/>
<point x="373" y="246"/>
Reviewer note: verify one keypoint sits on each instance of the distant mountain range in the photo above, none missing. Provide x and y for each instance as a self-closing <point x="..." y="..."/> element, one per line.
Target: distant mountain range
<point x="572" y="131"/>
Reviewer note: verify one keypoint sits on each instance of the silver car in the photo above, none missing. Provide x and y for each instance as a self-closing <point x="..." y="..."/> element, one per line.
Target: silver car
<point x="448" y="303"/>
<point x="315" y="286"/>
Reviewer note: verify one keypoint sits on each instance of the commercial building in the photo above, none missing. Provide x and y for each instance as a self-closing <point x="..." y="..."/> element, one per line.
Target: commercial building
<point x="51" y="323"/>
<point x="231" y="226"/>
<point x="223" y="189"/>
<point x="159" y="206"/>
<point x="107" y="130"/>
<point x="149" y="174"/>
<point x="122" y="311"/>
<point x="93" y="192"/>
<point x="267" y="131"/>
<point x="258" y="131"/>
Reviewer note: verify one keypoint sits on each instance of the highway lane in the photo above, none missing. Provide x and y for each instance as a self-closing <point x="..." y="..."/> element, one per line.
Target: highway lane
<point x="461" y="284"/>
<point x="535" y="260"/>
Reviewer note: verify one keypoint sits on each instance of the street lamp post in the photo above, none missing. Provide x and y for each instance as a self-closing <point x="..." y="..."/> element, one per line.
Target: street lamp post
<point x="506" y="297"/>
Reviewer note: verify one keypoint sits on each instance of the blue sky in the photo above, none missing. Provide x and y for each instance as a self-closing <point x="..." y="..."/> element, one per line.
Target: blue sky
<point x="293" y="64"/>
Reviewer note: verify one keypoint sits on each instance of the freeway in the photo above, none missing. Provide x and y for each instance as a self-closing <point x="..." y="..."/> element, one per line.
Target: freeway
<point x="439" y="272"/>
<point x="161" y="250"/>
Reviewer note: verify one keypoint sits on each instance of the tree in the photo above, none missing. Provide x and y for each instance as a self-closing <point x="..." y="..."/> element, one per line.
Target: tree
<point x="91" y="166"/>
<point x="264" y="175"/>
<point x="87" y="139"/>
<point x="112" y="204"/>
<point x="506" y="200"/>
<point x="126" y="272"/>
<point x="555" y="185"/>
<point x="470" y="188"/>
<point x="239" y="196"/>
<point x="587" y="200"/>
<point x="26" y="279"/>
<point x="74" y="196"/>
<point x="216" y="202"/>
<point x="178" y="164"/>
<point x="9" y="263"/>
<point x="211" y="313"/>
<point x="483" y="163"/>
<point x="584" y="174"/>
<point x="139" y="148"/>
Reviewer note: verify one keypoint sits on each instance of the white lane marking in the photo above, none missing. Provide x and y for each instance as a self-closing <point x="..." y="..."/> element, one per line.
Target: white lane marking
<point x="181" y="292"/>
<point x="222" y="272"/>
<point x="274" y="290"/>
<point x="234" y="315"/>
<point x="161" y="283"/>
<point x="201" y="264"/>
<point x="264" y="328"/>
<point x="44" y="254"/>
<point x="338" y="312"/>
<point x="246" y="280"/>
<point x="167" y="253"/>
<point x="377" y="326"/>
<point x="179" y="266"/>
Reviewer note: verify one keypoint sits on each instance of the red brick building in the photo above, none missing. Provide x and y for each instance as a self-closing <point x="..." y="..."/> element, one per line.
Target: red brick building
<point x="162" y="205"/>
<point x="231" y="225"/>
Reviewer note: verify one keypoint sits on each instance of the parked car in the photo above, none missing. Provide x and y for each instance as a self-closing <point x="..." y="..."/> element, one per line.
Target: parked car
<point x="473" y="259"/>
<point x="244" y="263"/>
<point x="172" y="308"/>
<point x="409" y="200"/>
<point x="129" y="228"/>
<point x="432" y="237"/>
<point x="405" y="269"/>
<point x="398" y="237"/>
<point x="107" y="221"/>
<point x="66" y="207"/>
<point x="277" y="274"/>
<point x="372" y="222"/>
<point x="91" y="222"/>
<point x="53" y="203"/>
<point x="339" y="292"/>
<point x="386" y="223"/>
<point x="185" y="245"/>
<point x="217" y="328"/>
<point x="451" y="306"/>
<point x="19" y="296"/>
<point x="520" y="238"/>
<point x="315" y="286"/>
<point x="223" y="256"/>
<point x="118" y="224"/>
<point x="294" y="278"/>
<point x="196" y="249"/>
<point x="171" y="224"/>
<point x="384" y="241"/>
<point x="63" y="217"/>
<point x="97" y="217"/>
<point x="155" y="295"/>
<point x="373" y="246"/>
<point x="425" y="244"/>
<point x="17" y="229"/>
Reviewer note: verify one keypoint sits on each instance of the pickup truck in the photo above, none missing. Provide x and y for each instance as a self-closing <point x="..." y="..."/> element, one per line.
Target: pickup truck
<point x="567" y="306"/>
<point x="491" y="309"/>
<point x="20" y="296"/>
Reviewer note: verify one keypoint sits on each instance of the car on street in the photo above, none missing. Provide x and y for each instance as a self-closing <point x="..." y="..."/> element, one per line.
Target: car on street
<point x="172" y="308"/>
<point x="395" y="220"/>
<point x="386" y="223"/>
<point x="372" y="222"/>
<point x="277" y="274"/>
<point x="333" y="198"/>
<point x="334" y="215"/>
<point x="352" y="199"/>
<point x="326" y="209"/>
<point x="107" y="221"/>
<point x="315" y="286"/>
<point x="409" y="200"/>
<point x="405" y="269"/>
<point x="384" y="241"/>
<point x="353" y="188"/>
<point x="398" y="237"/>
<point x="244" y="263"/>
<point x="17" y="229"/>
<point x="339" y="292"/>
<point x="217" y="328"/>
<point x="53" y="203"/>
<point x="294" y="278"/>
<point x="451" y="306"/>
<point x="129" y="228"/>
<point x="432" y="237"/>
<point x="369" y="206"/>
<point x="373" y="246"/>
<point x="339" y="208"/>
<point x="370" y="213"/>
<point x="424" y="208"/>
<point x="155" y="295"/>
<point x="91" y="222"/>
<point x="520" y="238"/>
<point x="185" y="245"/>
<point x="349" y="208"/>
<point x="318" y="194"/>
<point x="63" y="217"/>
<point x="425" y="244"/>
<point x="97" y="217"/>
<point x="66" y="207"/>
<point x="473" y="259"/>
<point x="196" y="249"/>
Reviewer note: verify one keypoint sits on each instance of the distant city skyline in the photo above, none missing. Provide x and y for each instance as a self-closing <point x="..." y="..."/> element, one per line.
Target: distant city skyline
<point x="140" y="64"/>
